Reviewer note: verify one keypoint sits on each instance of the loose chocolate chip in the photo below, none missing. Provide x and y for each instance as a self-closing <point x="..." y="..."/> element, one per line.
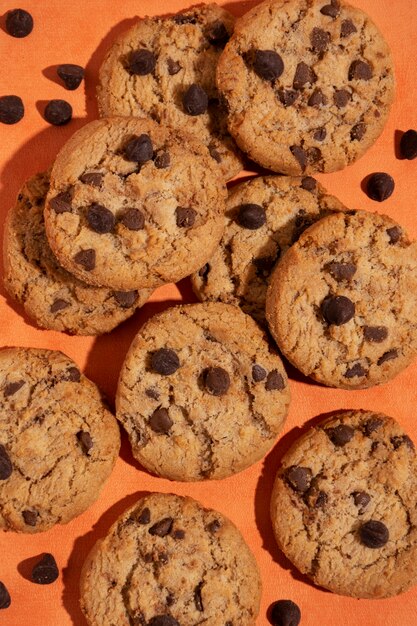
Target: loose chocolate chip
<point x="359" y="70"/>
<point x="58" y="112"/>
<point x="341" y="271"/>
<point x="11" y="388"/>
<point x="86" y="258"/>
<point x="144" y="517"/>
<point x="361" y="500"/>
<point x="347" y="28"/>
<point x="300" y="154"/>
<point x="163" y="620"/>
<point x="71" y="75"/>
<point x="185" y="217"/>
<point x="46" y="571"/>
<point x="214" y="153"/>
<point x="320" y="134"/>
<point x="19" y="23"/>
<point x="152" y="393"/>
<point x="95" y="179"/>
<point x="173" y="67"/>
<point x="125" y="299"/>
<point x="408" y="144"/>
<point x="399" y="441"/>
<point x="258" y="373"/>
<point x="195" y="100"/>
<point x="5" y="599"/>
<point x="216" y="381"/>
<point x="285" y="613"/>
<point x="217" y="34"/>
<point x="267" y="64"/>
<point x="394" y="234"/>
<point x="73" y="374"/>
<point x="304" y="75"/>
<point x="274" y="381"/>
<point x="58" y="305"/>
<point x="309" y="183"/>
<point x="165" y="361"/>
<point x="380" y="186"/>
<point x="162" y="160"/>
<point x="30" y="517"/>
<point x="320" y="39"/>
<point x="11" y="109"/>
<point x="133" y="219"/>
<point x="371" y="426"/>
<point x="251" y="216"/>
<point x="85" y="441"/>
<point x="373" y="534"/>
<point x="287" y="97"/>
<point x="100" y="219"/>
<point x="299" y="478"/>
<point x="197" y="597"/>
<point x="341" y="97"/>
<point x="6" y="467"/>
<point x="317" y="98"/>
<point x="387" y="356"/>
<point x="162" y="528"/>
<point x="203" y="272"/>
<point x="358" y="131"/>
<point x="139" y="149"/>
<point x="340" y="435"/>
<point x="214" y="526"/>
<point x="355" y="370"/>
<point x="375" y="334"/>
<point x="160" y="421"/>
<point x="337" y="310"/>
<point x="61" y="203"/>
<point x="141" y="62"/>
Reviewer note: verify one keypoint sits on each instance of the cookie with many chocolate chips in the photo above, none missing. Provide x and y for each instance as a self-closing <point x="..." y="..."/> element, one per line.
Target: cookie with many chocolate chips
<point x="160" y="565"/>
<point x="343" y="506"/>
<point x="133" y="205"/>
<point x="342" y="303"/>
<point x="308" y="85"/>
<point x="165" y="68"/>
<point x="201" y="393"/>
<point x="51" y="296"/>
<point x="264" y="217"/>
<point x="58" y="440"/>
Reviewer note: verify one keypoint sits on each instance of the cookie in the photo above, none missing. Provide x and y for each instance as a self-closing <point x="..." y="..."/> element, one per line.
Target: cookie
<point x="51" y="296"/>
<point x="343" y="506"/>
<point x="165" y="68"/>
<point x="167" y="561"/>
<point x="133" y="205"/>
<point x="264" y="216"/>
<point x="342" y="303"/>
<point x="308" y="84"/>
<point x="58" y="441"/>
<point x="201" y="393"/>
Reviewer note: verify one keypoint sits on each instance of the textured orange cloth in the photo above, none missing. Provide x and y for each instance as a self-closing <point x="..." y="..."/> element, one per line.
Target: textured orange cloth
<point x="80" y="31"/>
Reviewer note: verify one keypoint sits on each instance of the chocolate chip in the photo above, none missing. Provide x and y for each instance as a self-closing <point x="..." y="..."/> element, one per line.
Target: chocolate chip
<point x="341" y="271"/>
<point x="394" y="234"/>
<point x="197" y="597"/>
<point x="141" y="62"/>
<point x="313" y="155"/>
<point x="195" y="100"/>
<point x="144" y="517"/>
<point x="5" y="599"/>
<point x="178" y="534"/>
<point x="287" y="97"/>
<point x="251" y="216"/>
<point x="341" y="97"/>
<point x="371" y="426"/>
<point x="85" y="441"/>
<point x="387" y="356"/>
<point x="100" y="219"/>
<point x="375" y="334"/>
<point x="300" y="155"/>
<point x="185" y="217"/>
<point x="217" y="34"/>
<point x="214" y="526"/>
<point x="160" y="421"/>
<point x="19" y="23"/>
<point x="165" y="361"/>
<point x="408" y="144"/>
<point x="61" y="203"/>
<point x="320" y="134"/>
<point x="337" y="310"/>
<point x="399" y="441"/>
<point x="73" y="374"/>
<point x="11" y="109"/>
<point x="11" y="388"/>
<point x="214" y="153"/>
<point x="359" y="70"/>
<point x="285" y="613"/>
<point x="347" y="28"/>
<point x="361" y="500"/>
<point x="203" y="272"/>
<point x="309" y="183"/>
<point x="340" y="435"/>
<point x="162" y="160"/>
<point x="133" y="219"/>
<point x="216" y="381"/>
<point x="380" y="186"/>
<point x="163" y="620"/>
<point x="86" y="258"/>
<point x="184" y="19"/>
<point x="58" y="112"/>
<point x="71" y="74"/>
<point x="299" y="478"/>
<point x="355" y="370"/>
<point x="373" y="534"/>
<point x="30" y="517"/>
<point x="152" y="393"/>
<point x="267" y="64"/>
<point x="46" y="571"/>
<point x="264" y="264"/>
<point x="317" y="98"/>
<point x="125" y="299"/>
<point x="304" y="75"/>
<point x="320" y="39"/>
<point x="274" y="381"/>
<point x="6" y="467"/>
<point x="139" y="149"/>
<point x="173" y="67"/>
<point x="358" y="131"/>
<point x="59" y="305"/>
<point x="95" y="179"/>
<point x="315" y="498"/>
<point x="332" y="9"/>
<point x="162" y="528"/>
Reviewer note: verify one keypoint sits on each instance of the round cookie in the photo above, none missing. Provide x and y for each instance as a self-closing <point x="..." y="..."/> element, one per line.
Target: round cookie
<point x="308" y="84"/>
<point x="133" y="205"/>
<point x="264" y="216"/>
<point x="51" y="296"/>
<point x="58" y="440"/>
<point x="165" y="68"/>
<point x="167" y="561"/>
<point x="342" y="303"/>
<point x="201" y="393"/>
<point x="344" y="508"/>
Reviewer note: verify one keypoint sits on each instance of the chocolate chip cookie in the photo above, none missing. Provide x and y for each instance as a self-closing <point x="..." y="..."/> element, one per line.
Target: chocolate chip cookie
<point x="133" y="205"/>
<point x="51" y="296"/>
<point x="343" y="506"/>
<point x="308" y="84"/>
<point x="264" y="217"/>
<point x="58" y="441"/>
<point x="165" y="68"/>
<point x="201" y="393"/>
<point x="342" y="303"/>
<point x="167" y="561"/>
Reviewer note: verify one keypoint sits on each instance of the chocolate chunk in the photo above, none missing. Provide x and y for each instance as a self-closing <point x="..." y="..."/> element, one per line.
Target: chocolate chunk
<point x="217" y="34"/>
<point x="144" y="517"/>
<point x="58" y="112"/>
<point x="355" y="370"/>
<point x="287" y="97"/>
<point x="5" y="599"/>
<point x="347" y="28"/>
<point x="162" y="528"/>
<point x="19" y="23"/>
<point x="332" y="9"/>
<point x="6" y="467"/>
<point x="139" y="149"/>
<point x="216" y="381"/>
<point x="73" y="374"/>
<point x="387" y="356"/>
<point x="341" y="271"/>
<point x="380" y="186"/>
<point x="95" y="179"/>
<point x="361" y="500"/>
<point x="258" y="373"/>
<point x="30" y="517"/>
<point x="173" y="67"/>
<point x="373" y="534"/>
<point x="300" y="155"/>
<point x="304" y="75"/>
<point x="185" y="217"/>
<point x="317" y="98"/>
<point x="274" y="381"/>
<point x="11" y="388"/>
<point x="85" y="441"/>
<point x="375" y="334"/>
<point x="86" y="258"/>
<point x="46" y="571"/>
<point x="394" y="234"/>
<point x="141" y="62"/>
<point x="71" y="75"/>
<point x="341" y="97"/>
<point x="309" y="183"/>
<point x="320" y="39"/>
<point x="408" y="144"/>
<point x="125" y="299"/>
<point x="337" y="310"/>
<point x="197" y="597"/>
<point x="195" y="100"/>
<point x="160" y="421"/>
<point x="371" y="426"/>
<point x="358" y="131"/>
<point x="214" y="526"/>
<point x="399" y="441"/>
<point x="340" y="435"/>
<point x="100" y="219"/>
<point x="251" y="216"/>
<point x="165" y="361"/>
<point x="285" y="613"/>
<point x="133" y="219"/>
<point x="359" y="70"/>
<point x="152" y="393"/>
<point x="162" y="160"/>
<point x="299" y="478"/>
<point x="59" y="305"/>
<point x="320" y="134"/>
<point x="267" y="64"/>
<point x="61" y="203"/>
<point x="214" y="153"/>
<point x="163" y="620"/>
<point x="11" y="109"/>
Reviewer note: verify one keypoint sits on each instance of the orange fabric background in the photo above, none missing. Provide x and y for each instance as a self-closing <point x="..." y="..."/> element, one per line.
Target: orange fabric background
<point x="80" y="31"/>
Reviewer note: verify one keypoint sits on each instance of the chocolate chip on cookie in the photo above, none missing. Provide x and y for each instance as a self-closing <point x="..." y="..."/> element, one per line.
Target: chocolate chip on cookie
<point x="141" y="62"/>
<point x="86" y="258"/>
<point x="139" y="149"/>
<point x="374" y="534"/>
<point x="251" y="216"/>
<point x="165" y="361"/>
<point x="340" y="435"/>
<point x="394" y="234"/>
<point x="85" y="441"/>
<point x="361" y="500"/>
<point x="347" y="28"/>
<point x="100" y="219"/>
<point x="274" y="381"/>
<point x="304" y="75"/>
<point x="299" y="478"/>
<point x="185" y="217"/>
<point x="217" y="34"/>
<point x="95" y="179"/>
<point x="61" y="203"/>
<point x="337" y="310"/>
<point x="133" y="219"/>
<point x="258" y="373"/>
<point x="375" y="334"/>
<point x="160" y="421"/>
<point x="195" y="100"/>
<point x="360" y="70"/>
<point x="6" y="467"/>
<point x="11" y="388"/>
<point x="332" y="9"/>
<point x="216" y="381"/>
<point x="267" y="64"/>
<point x="162" y="528"/>
<point x="389" y="355"/>
<point x="341" y="271"/>
<point x="30" y="517"/>
<point x="320" y="39"/>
